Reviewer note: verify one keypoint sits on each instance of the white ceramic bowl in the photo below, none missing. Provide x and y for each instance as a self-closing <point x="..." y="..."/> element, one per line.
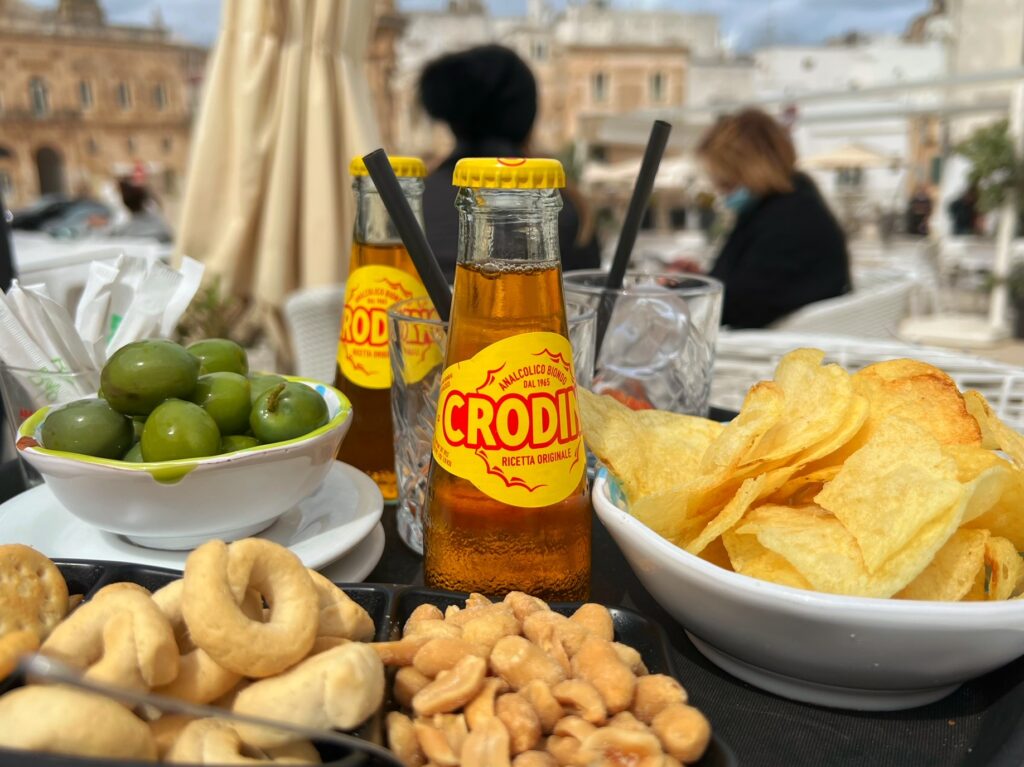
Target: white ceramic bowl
<point x="180" y="504"/>
<point x="844" y="652"/>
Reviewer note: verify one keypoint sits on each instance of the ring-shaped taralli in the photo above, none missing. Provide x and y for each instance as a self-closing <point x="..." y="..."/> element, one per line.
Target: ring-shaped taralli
<point x="212" y="741"/>
<point x="200" y="678"/>
<point x="119" y="637"/>
<point x="217" y="576"/>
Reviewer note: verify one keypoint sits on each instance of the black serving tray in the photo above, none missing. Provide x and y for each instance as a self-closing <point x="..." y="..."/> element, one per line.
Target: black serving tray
<point x="389" y="606"/>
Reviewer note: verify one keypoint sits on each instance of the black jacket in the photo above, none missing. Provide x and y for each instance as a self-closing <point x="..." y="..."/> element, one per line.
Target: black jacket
<point x="785" y="251"/>
<point x="441" y="219"/>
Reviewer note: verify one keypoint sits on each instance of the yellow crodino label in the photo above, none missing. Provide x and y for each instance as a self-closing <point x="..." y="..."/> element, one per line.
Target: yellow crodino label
<point x="508" y="421"/>
<point x="363" y="348"/>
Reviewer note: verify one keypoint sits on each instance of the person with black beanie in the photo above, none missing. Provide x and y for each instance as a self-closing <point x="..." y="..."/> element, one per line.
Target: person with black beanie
<point x="488" y="98"/>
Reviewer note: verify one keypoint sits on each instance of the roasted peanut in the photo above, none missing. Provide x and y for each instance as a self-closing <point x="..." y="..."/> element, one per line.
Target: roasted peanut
<point x="653" y="693"/>
<point x="563" y="748"/>
<point x="580" y="697"/>
<point x="435" y="745"/>
<point x="573" y="727"/>
<point x="462" y="617"/>
<point x="439" y="655"/>
<point x="488" y="629"/>
<point x="571" y="634"/>
<point x="596" y="619"/>
<point x="598" y="663"/>
<point x="523" y="604"/>
<point x="477" y="600"/>
<point x="431" y="628"/>
<point x="683" y="730"/>
<point x="627" y="721"/>
<point x="423" y="612"/>
<point x="408" y="682"/>
<point x="451" y="689"/>
<point x="631" y="658"/>
<point x="548" y="709"/>
<point x="487" y="746"/>
<point x="454" y="728"/>
<point x="401" y="652"/>
<point x="481" y="708"/>
<point x="521" y="721"/>
<point x="535" y="759"/>
<point x="616" y="747"/>
<point x="552" y="645"/>
<point x="518" y="661"/>
<point x="402" y="740"/>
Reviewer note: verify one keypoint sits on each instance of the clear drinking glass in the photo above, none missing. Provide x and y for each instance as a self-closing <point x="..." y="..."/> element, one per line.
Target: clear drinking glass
<point x="417" y="344"/>
<point x="26" y="390"/>
<point x="659" y="345"/>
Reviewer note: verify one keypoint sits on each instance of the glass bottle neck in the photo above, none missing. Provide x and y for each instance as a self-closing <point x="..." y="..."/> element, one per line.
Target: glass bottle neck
<point x="373" y="224"/>
<point x="509" y="225"/>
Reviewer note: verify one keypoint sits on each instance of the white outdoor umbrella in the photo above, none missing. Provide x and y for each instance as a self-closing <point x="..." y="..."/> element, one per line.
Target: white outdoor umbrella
<point x="285" y="107"/>
<point x="848" y="156"/>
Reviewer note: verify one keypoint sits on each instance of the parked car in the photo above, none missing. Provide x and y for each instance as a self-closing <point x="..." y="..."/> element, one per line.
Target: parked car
<point x="79" y="218"/>
<point x="32" y="217"/>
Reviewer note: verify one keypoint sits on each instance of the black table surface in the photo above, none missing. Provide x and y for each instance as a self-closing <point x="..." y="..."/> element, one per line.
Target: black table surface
<point x="982" y="723"/>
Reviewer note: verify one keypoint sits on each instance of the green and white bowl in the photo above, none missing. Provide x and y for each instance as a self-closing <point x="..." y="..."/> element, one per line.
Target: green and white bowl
<point x="180" y="504"/>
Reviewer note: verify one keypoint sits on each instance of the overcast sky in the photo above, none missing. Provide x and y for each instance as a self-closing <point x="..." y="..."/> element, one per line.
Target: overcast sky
<point x="745" y="23"/>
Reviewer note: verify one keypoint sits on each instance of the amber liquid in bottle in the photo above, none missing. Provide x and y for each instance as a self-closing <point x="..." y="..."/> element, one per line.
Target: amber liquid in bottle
<point x="473" y="542"/>
<point x="369" y="444"/>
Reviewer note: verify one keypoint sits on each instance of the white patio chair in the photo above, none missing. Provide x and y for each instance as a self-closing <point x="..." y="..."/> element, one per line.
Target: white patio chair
<point x="313" y="320"/>
<point x="875" y="312"/>
<point x="745" y="357"/>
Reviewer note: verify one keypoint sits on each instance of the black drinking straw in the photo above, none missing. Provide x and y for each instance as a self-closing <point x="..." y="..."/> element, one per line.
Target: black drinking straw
<point x="379" y="167"/>
<point x="631" y="226"/>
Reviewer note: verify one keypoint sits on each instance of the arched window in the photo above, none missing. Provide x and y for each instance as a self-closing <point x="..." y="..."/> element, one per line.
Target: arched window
<point x="599" y="87"/>
<point x="657" y="87"/>
<point x="159" y="96"/>
<point x="39" y="96"/>
<point x="124" y="95"/>
<point x="85" y="94"/>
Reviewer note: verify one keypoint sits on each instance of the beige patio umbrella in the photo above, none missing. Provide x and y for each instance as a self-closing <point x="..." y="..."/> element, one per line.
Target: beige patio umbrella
<point x="849" y="156"/>
<point x="286" y="104"/>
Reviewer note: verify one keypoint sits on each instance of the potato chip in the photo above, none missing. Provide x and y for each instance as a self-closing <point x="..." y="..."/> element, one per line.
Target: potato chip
<point x="824" y="552"/>
<point x="750" y="558"/>
<point x="762" y="408"/>
<point x="891" y="489"/>
<point x="977" y="592"/>
<point x="733" y="512"/>
<point x="800" y="491"/>
<point x="1006" y="518"/>
<point x="1005" y="566"/>
<point x="918" y="392"/>
<point x="672" y="513"/>
<point x="954" y="571"/>
<point x="646" y="450"/>
<point x="716" y="554"/>
<point x="979" y="408"/>
<point x="1005" y="438"/>
<point x="816" y="400"/>
<point x="972" y="460"/>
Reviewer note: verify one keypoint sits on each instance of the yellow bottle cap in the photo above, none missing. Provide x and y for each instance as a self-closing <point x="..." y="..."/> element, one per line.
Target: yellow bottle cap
<point x="404" y="167"/>
<point x="508" y="173"/>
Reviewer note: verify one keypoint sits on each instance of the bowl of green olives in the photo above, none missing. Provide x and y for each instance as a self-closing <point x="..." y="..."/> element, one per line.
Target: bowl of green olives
<point x="181" y="445"/>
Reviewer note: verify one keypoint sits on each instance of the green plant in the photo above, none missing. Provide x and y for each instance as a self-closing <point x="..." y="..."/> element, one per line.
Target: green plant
<point x="216" y="314"/>
<point x="996" y="168"/>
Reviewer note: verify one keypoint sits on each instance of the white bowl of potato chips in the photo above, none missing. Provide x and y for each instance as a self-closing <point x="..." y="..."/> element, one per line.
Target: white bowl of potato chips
<point x="847" y="540"/>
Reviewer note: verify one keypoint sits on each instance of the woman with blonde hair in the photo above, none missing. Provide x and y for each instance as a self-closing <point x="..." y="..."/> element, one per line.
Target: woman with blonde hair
<point x="786" y="248"/>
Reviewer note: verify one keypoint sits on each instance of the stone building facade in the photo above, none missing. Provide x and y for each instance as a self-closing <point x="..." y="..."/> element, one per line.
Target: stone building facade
<point x="83" y="102"/>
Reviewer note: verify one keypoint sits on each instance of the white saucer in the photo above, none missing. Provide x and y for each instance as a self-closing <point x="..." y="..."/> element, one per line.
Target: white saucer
<point x="360" y="561"/>
<point x="340" y="516"/>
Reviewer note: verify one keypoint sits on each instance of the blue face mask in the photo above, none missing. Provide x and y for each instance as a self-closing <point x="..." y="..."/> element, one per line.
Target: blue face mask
<point x="738" y="199"/>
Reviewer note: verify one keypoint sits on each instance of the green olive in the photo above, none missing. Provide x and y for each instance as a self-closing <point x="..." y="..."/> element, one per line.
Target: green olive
<point x="219" y="355"/>
<point x="88" y="427"/>
<point x="138" y="422"/>
<point x="233" y="442"/>
<point x="287" y="411"/>
<point x="141" y="375"/>
<point x="225" y="396"/>
<point x="259" y="383"/>
<point x="134" y="455"/>
<point x="179" y="429"/>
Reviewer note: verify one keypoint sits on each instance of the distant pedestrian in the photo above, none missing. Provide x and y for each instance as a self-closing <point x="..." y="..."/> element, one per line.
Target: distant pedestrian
<point x="145" y="221"/>
<point x="964" y="212"/>
<point x="919" y="211"/>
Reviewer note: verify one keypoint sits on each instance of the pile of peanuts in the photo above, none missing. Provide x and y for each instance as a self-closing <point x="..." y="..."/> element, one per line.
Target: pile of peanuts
<point x="515" y="684"/>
